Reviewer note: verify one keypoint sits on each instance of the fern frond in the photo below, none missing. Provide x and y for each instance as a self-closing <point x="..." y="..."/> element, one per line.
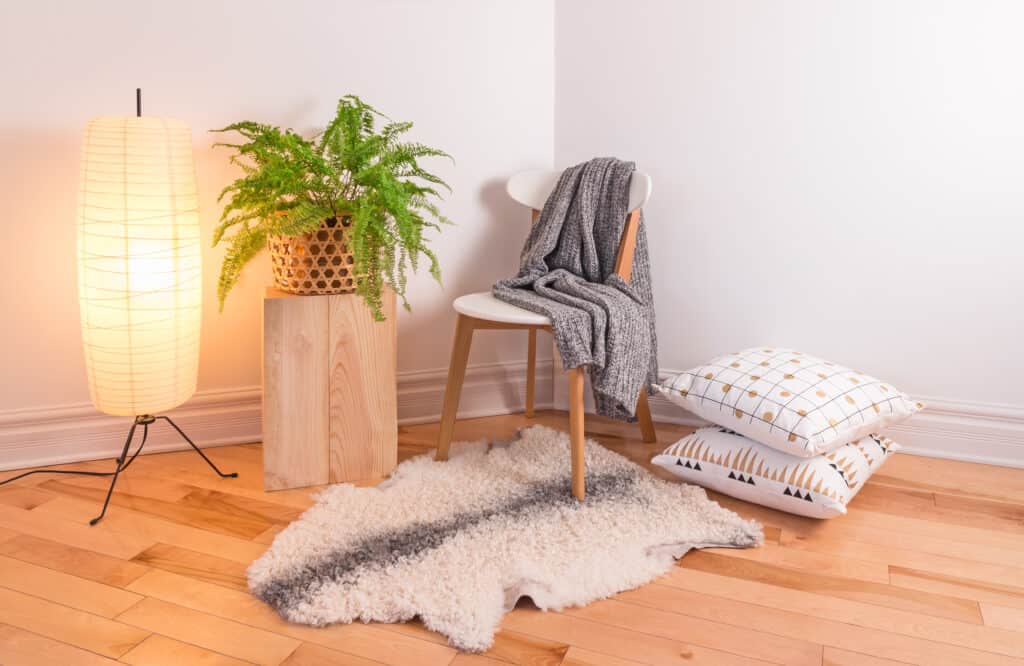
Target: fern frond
<point x="290" y="183"/>
<point x="245" y="245"/>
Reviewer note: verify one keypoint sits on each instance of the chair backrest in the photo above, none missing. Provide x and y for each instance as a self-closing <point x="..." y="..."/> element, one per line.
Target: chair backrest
<point x="531" y="188"/>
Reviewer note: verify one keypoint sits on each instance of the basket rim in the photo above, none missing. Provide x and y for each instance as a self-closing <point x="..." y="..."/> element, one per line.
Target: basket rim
<point x="305" y="236"/>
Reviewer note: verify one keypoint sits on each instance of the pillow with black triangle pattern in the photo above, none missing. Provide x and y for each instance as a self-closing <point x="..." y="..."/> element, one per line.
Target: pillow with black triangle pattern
<point x="819" y="487"/>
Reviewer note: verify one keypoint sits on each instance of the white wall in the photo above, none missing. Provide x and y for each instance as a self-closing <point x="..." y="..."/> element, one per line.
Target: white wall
<point x="477" y="79"/>
<point x="842" y="177"/>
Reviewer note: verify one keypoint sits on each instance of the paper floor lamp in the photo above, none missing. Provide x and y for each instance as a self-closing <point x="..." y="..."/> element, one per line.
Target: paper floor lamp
<point x="139" y="272"/>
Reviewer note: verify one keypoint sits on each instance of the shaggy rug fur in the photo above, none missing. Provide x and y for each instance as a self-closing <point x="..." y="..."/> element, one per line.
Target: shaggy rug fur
<point x="457" y="543"/>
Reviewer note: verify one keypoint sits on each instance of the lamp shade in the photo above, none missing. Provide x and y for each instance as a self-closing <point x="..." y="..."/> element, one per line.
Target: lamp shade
<point x="139" y="271"/>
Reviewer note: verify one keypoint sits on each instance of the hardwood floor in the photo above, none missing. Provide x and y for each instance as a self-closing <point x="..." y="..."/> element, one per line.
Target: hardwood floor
<point x="927" y="568"/>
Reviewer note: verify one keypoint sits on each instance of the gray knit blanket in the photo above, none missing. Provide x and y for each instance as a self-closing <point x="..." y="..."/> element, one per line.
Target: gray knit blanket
<point x="567" y="274"/>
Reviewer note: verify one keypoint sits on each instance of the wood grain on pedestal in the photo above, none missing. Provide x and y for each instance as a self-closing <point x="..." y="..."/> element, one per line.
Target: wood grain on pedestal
<point x="330" y="390"/>
<point x="363" y="389"/>
<point x="295" y="399"/>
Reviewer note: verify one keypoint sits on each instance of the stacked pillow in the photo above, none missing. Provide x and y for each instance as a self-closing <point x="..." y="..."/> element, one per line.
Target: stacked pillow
<point x="798" y="432"/>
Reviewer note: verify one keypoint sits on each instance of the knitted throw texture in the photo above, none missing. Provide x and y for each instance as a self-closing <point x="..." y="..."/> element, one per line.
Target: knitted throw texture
<point x="567" y="274"/>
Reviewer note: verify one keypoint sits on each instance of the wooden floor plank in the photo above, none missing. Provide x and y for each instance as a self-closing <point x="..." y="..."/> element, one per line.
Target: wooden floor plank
<point x="246" y="508"/>
<point x="68" y="625"/>
<point x="807" y="560"/>
<point x="803" y="624"/>
<point x="236" y="455"/>
<point x="928" y="627"/>
<point x="358" y="639"/>
<point x="509" y="646"/>
<point x="150" y="530"/>
<point x="889" y="554"/>
<point x="76" y="561"/>
<point x="57" y="527"/>
<point x="23" y="498"/>
<point x="135" y="484"/>
<point x="515" y="648"/>
<point x="953" y="477"/>
<point x="615" y="641"/>
<point x="1004" y="513"/>
<point x="24" y="648"/>
<point x="863" y="518"/>
<point x="837" y="657"/>
<point x="1006" y="594"/>
<point x="267" y="536"/>
<point x="309" y="654"/>
<point x="63" y="588"/>
<point x="204" y="479"/>
<point x="922" y="526"/>
<point x="200" y="566"/>
<point x="158" y="650"/>
<point x="941" y="508"/>
<point x="223" y="522"/>
<point x="578" y="656"/>
<point x="187" y="467"/>
<point x="210" y="632"/>
<point x="878" y="530"/>
<point x="917" y="520"/>
<point x="736" y="640"/>
<point x="890" y="596"/>
<point x="1003" y="617"/>
<point x="947" y="546"/>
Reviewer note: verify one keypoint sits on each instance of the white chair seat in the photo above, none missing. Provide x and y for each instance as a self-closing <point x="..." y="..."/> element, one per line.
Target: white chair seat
<point x="484" y="305"/>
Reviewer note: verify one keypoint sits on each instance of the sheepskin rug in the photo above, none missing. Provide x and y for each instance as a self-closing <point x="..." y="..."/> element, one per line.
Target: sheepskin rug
<point x="457" y="543"/>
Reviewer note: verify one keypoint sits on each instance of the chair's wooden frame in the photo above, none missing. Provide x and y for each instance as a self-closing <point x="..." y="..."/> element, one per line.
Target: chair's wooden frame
<point x="466" y="325"/>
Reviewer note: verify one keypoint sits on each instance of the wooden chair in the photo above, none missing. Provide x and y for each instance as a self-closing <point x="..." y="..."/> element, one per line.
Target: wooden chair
<point x="482" y="311"/>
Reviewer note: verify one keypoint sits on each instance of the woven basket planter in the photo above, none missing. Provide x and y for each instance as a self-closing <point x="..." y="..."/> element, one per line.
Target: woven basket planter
<point x="319" y="262"/>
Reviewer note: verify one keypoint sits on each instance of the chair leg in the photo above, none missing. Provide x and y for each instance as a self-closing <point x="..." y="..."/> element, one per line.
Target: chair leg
<point x="531" y="372"/>
<point x="456" y="373"/>
<point x="576" y="432"/>
<point x="643" y="414"/>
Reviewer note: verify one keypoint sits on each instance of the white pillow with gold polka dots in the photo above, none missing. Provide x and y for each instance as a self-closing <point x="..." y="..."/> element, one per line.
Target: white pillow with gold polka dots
<point x="818" y="487"/>
<point x="788" y="400"/>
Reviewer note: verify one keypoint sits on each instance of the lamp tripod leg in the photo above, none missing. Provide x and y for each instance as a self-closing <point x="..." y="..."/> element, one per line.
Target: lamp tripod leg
<point x="120" y="465"/>
<point x="123" y="461"/>
<point x="209" y="462"/>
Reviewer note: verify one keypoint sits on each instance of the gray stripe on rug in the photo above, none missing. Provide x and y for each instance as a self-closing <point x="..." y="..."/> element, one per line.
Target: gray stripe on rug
<point x="387" y="549"/>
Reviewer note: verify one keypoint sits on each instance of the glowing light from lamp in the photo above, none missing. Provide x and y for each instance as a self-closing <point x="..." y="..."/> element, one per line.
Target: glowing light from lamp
<point x="139" y="271"/>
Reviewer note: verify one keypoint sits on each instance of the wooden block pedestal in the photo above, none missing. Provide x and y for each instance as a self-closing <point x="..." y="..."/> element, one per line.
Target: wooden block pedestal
<point x="329" y="390"/>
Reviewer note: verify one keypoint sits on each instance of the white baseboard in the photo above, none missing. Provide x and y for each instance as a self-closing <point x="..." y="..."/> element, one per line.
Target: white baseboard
<point x="958" y="430"/>
<point x="73" y="433"/>
<point x="976" y="432"/>
<point x="489" y="389"/>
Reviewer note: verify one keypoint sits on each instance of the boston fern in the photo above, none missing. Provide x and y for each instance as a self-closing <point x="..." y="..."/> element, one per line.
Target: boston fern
<point x="292" y="184"/>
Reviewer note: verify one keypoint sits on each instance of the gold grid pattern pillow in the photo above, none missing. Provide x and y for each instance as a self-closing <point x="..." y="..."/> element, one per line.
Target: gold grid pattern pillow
<point x="818" y="487"/>
<point x="787" y="400"/>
